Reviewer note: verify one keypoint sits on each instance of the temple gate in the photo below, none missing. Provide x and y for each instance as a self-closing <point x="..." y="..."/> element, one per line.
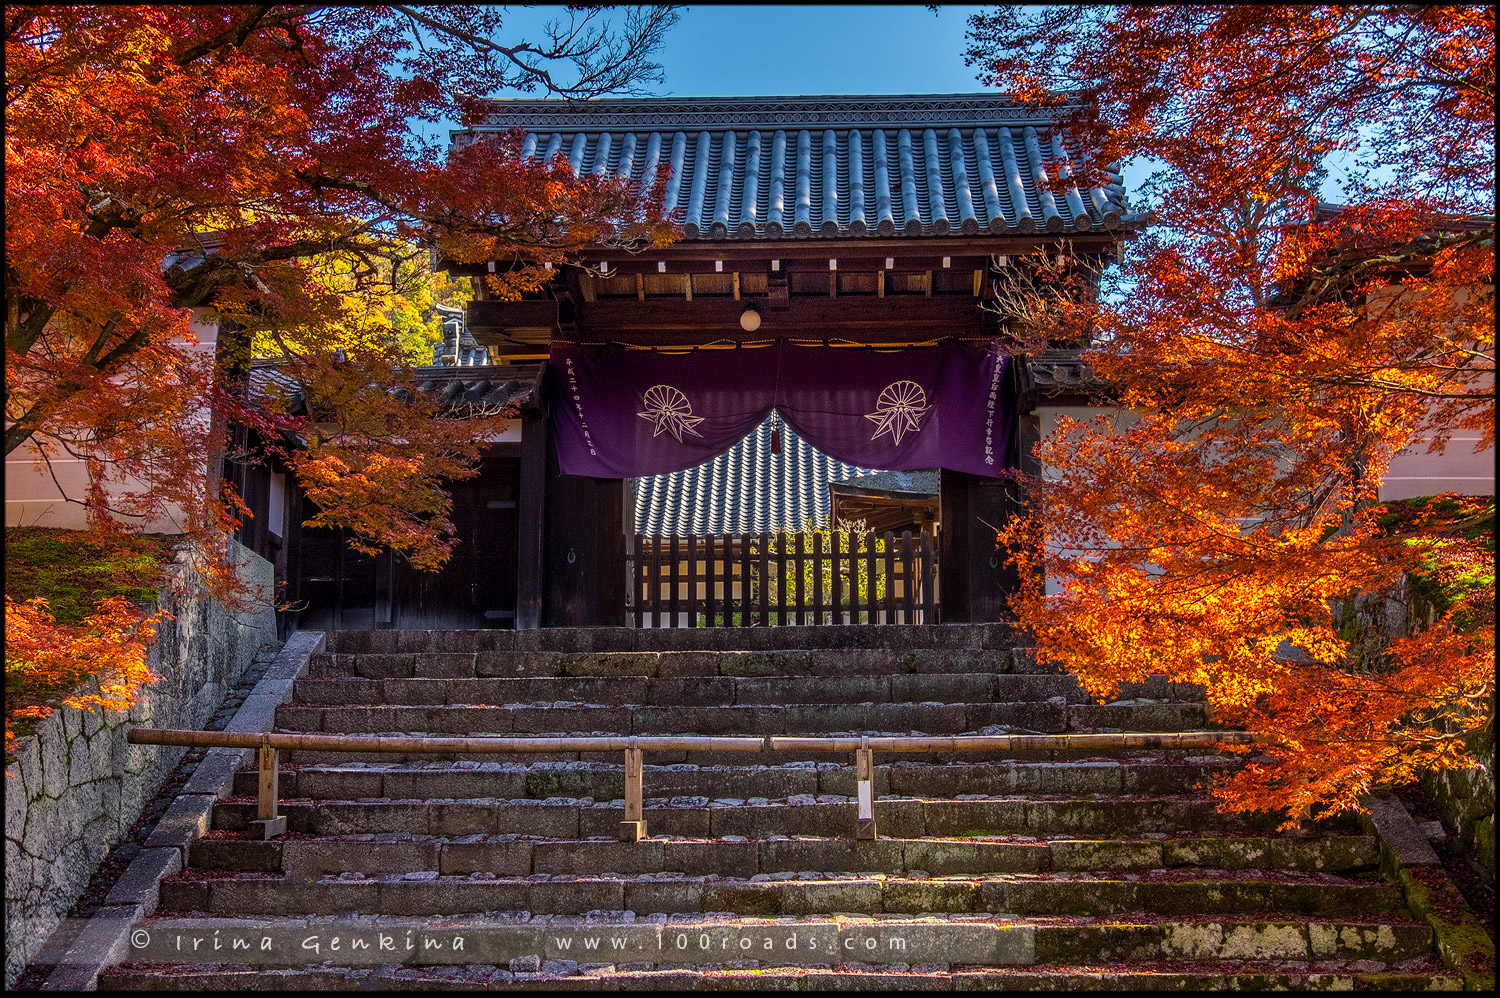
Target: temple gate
<point x="837" y="260"/>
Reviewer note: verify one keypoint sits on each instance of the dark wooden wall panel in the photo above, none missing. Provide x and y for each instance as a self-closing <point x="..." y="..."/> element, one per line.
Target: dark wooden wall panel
<point x="536" y="444"/>
<point x="583" y="580"/>
<point x="475" y="589"/>
<point x="976" y="580"/>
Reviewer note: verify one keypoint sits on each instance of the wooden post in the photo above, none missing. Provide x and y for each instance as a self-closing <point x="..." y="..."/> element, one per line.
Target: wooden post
<point x="656" y="582"/>
<point x="633" y="828"/>
<point x="692" y="581"/>
<point x="765" y="579"/>
<point x="954" y="541"/>
<point x="638" y="579"/>
<point x="676" y="602"/>
<point x="872" y="600"/>
<point x="908" y="578"/>
<point x="530" y="523"/>
<point x="928" y="580"/>
<point x="890" y="577"/>
<point x="864" y="774"/>
<point x="269" y="824"/>
<point x="836" y="578"/>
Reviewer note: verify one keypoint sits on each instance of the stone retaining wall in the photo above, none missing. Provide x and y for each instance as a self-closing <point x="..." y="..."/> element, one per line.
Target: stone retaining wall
<point x="1466" y="798"/>
<point x="76" y="787"/>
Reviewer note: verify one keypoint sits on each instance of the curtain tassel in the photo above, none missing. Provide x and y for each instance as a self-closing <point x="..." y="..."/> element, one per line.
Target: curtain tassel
<point x="775" y="436"/>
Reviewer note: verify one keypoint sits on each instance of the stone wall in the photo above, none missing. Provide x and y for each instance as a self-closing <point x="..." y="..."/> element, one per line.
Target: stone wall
<point x="76" y="787"/>
<point x="1466" y="797"/>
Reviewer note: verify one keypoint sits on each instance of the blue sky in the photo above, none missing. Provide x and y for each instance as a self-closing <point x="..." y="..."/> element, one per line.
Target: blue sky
<point x="789" y="50"/>
<point x="745" y="50"/>
<point x="766" y="50"/>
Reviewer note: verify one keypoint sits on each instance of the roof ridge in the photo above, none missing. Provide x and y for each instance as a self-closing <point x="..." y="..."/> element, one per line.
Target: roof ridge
<point x="828" y="110"/>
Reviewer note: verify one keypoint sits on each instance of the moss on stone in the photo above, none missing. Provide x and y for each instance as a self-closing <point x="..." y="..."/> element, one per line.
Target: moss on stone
<point x="1461" y="941"/>
<point x="74" y="570"/>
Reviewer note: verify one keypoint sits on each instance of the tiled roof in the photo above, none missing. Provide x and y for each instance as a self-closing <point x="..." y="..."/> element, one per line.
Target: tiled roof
<point x="914" y="482"/>
<point x="747" y="489"/>
<point x="486" y="389"/>
<point x="772" y="167"/>
<point x="1060" y="370"/>
<point x="457" y="348"/>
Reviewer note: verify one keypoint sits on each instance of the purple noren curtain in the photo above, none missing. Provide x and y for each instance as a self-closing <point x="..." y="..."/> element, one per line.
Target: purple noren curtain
<point x="619" y="413"/>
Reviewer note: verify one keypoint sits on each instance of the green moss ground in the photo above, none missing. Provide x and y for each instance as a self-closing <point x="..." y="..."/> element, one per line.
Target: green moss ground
<point x="1459" y="571"/>
<point x="75" y="571"/>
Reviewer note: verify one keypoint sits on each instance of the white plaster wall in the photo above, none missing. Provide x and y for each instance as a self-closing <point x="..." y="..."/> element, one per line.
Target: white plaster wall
<point x="1414" y="472"/>
<point x="38" y="497"/>
<point x="1049" y="416"/>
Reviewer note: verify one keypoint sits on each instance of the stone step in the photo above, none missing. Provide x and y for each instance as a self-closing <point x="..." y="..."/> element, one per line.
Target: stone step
<point x="698" y="817"/>
<point x="1023" y="894"/>
<point x="721" y="690"/>
<point x="593" y="639"/>
<point x="314" y="857"/>
<point x="755" y="721"/>
<point x="572" y="976"/>
<point x="433" y="664"/>
<point x="516" y="949"/>
<point x="606" y="780"/>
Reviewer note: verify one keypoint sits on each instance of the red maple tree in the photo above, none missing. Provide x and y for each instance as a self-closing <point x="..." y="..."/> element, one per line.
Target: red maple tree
<point x="1272" y="357"/>
<point x="265" y="165"/>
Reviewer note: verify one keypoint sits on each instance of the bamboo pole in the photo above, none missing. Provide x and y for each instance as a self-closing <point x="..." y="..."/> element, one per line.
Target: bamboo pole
<point x="290" y="740"/>
<point x="990" y="743"/>
<point x="269" y="824"/>
<point x="410" y="743"/>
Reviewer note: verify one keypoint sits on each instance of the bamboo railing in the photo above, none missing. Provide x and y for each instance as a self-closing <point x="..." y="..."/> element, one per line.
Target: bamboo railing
<point x="270" y="824"/>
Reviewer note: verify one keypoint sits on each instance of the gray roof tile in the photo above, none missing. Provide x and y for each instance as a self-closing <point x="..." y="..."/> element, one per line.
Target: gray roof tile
<point x="471" y="388"/>
<point x="747" y="489"/>
<point x="924" y="482"/>
<point x="772" y="167"/>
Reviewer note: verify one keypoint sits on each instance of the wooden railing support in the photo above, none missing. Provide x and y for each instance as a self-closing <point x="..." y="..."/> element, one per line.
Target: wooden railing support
<point x="864" y="775"/>
<point x="633" y="828"/>
<point x="269" y="824"/>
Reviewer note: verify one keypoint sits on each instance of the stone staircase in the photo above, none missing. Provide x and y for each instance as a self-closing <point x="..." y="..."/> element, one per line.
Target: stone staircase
<point x="1046" y="870"/>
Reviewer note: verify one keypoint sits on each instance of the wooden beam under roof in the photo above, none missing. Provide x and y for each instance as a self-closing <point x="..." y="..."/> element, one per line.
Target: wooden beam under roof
<point x="664" y="321"/>
<point x="699" y="256"/>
